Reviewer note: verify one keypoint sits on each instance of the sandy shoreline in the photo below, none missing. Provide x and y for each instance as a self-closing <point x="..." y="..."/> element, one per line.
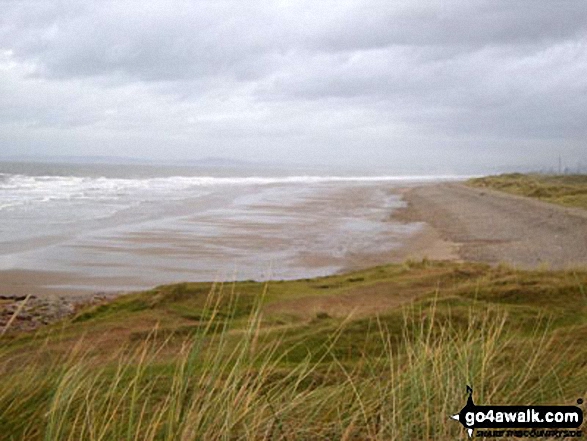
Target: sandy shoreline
<point x="285" y="232"/>
<point x="454" y="222"/>
<point x="492" y="227"/>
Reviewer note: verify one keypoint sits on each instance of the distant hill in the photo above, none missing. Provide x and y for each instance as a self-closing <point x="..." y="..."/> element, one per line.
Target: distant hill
<point x="204" y="162"/>
<point x="218" y="162"/>
<point x="76" y="159"/>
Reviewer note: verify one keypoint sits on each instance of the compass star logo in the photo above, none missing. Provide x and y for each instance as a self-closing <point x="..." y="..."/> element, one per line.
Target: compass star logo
<point x="469" y="407"/>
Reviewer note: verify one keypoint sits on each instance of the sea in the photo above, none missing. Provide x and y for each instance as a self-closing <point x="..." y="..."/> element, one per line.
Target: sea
<point x="111" y="228"/>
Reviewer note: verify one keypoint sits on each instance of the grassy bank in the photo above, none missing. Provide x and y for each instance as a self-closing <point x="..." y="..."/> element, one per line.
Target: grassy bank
<point x="383" y="353"/>
<point x="568" y="190"/>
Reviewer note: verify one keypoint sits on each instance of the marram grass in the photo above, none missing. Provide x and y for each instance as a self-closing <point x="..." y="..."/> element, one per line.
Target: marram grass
<point x="253" y="382"/>
<point x="567" y="190"/>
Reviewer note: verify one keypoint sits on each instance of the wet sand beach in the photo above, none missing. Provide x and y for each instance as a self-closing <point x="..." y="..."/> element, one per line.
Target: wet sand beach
<point x="444" y="221"/>
<point x="266" y="232"/>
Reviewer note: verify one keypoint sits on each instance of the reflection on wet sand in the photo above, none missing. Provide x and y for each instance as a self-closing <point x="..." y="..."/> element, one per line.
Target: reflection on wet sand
<point x="274" y="231"/>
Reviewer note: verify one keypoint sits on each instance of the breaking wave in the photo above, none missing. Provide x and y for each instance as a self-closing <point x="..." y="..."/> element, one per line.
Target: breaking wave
<point x="17" y="190"/>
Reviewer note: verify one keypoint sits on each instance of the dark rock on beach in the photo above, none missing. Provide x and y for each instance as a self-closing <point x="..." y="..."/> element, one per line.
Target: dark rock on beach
<point x="19" y="313"/>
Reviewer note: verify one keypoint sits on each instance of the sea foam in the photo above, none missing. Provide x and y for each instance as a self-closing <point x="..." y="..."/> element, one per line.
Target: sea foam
<point x="21" y="190"/>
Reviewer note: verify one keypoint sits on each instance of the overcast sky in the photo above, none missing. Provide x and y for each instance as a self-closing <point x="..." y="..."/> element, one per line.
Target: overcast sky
<point x="437" y="82"/>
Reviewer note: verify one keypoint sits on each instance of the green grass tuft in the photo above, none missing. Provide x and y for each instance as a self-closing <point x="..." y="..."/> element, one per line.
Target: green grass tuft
<point x="254" y="361"/>
<point x="568" y="190"/>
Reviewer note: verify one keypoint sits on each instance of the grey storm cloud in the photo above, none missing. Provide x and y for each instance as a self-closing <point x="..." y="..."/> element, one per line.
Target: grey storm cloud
<point x="284" y="79"/>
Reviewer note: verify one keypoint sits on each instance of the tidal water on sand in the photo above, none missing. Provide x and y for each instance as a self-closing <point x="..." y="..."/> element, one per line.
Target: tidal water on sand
<point x="103" y="228"/>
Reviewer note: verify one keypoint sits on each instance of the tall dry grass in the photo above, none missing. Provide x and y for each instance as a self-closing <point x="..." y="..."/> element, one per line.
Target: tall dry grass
<point x="227" y="383"/>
